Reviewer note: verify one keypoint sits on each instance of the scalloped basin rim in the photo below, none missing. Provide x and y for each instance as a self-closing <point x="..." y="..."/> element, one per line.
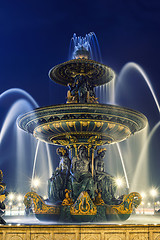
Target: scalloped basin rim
<point x="96" y="124"/>
<point x="85" y="106"/>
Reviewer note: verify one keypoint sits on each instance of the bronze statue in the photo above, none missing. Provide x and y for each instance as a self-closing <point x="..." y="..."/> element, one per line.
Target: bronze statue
<point x="58" y="182"/>
<point x="81" y="177"/>
<point x="105" y="182"/>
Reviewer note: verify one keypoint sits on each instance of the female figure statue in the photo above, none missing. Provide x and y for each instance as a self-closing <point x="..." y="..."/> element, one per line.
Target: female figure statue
<point x="81" y="177"/>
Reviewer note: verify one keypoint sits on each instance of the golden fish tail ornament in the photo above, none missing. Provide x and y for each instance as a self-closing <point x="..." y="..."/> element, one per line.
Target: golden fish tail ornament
<point x="130" y="201"/>
<point x="40" y="207"/>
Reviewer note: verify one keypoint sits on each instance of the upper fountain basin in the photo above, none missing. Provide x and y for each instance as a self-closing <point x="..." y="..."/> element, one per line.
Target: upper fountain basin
<point x="97" y="73"/>
<point x="69" y="124"/>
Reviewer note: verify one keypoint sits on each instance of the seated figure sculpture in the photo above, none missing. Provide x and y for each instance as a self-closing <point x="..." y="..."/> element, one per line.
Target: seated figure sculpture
<point x="81" y="91"/>
<point x="58" y="182"/>
<point x="81" y="177"/>
<point x="104" y="181"/>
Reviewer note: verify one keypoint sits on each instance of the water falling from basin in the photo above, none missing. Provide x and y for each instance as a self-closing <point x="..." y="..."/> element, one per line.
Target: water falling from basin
<point x="22" y="150"/>
<point x="131" y="65"/>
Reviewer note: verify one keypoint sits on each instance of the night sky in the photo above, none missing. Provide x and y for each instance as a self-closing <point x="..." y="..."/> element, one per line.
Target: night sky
<point x="35" y="36"/>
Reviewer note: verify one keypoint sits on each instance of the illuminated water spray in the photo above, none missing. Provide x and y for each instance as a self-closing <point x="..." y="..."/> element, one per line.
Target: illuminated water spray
<point x="132" y="65"/>
<point x="88" y="45"/>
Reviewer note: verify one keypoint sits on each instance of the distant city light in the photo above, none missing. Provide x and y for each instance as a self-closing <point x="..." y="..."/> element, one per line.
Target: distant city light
<point x="19" y="197"/>
<point x="19" y="204"/>
<point x="11" y="196"/>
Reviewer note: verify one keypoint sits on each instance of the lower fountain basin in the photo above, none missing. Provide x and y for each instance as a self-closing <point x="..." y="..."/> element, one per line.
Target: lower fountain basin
<point x="83" y="209"/>
<point x="95" y="124"/>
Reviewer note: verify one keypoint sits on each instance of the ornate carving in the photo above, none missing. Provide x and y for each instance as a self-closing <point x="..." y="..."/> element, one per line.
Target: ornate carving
<point x="83" y="205"/>
<point x="41" y="236"/>
<point x="129" y="201"/>
<point x="110" y="123"/>
<point x="16" y="237"/>
<point x="94" y="236"/>
<point x="40" y="207"/>
<point x="66" y="72"/>
<point x="98" y="199"/>
<point x="139" y="237"/>
<point x="67" y="201"/>
<point x="115" y="237"/>
<point x="64" y="236"/>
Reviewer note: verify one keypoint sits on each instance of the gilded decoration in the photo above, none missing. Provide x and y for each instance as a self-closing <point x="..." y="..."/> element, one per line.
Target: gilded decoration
<point x="40" y="207"/>
<point x="83" y="205"/>
<point x="98" y="199"/>
<point x="80" y="188"/>
<point x="129" y="201"/>
<point x="66" y="72"/>
<point x="67" y="201"/>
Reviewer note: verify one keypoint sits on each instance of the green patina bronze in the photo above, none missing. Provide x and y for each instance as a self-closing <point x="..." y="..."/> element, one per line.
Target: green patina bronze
<point x="80" y="189"/>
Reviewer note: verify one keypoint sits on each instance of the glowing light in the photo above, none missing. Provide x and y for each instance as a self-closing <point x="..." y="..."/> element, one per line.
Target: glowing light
<point x="11" y="196"/>
<point x="19" y="197"/>
<point x="153" y="192"/>
<point x="10" y="203"/>
<point x="35" y="182"/>
<point x="119" y="182"/>
<point x="143" y="195"/>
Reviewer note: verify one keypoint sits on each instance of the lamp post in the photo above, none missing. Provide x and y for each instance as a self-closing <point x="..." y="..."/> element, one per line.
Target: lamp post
<point x="142" y="203"/>
<point x="153" y="193"/>
<point x="10" y="207"/>
<point x="143" y="195"/>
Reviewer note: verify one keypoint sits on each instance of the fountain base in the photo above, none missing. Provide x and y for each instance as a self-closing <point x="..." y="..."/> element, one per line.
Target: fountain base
<point x="84" y="209"/>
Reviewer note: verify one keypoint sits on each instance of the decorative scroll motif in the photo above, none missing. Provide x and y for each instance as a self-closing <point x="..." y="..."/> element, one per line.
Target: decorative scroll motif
<point x="40" y="207"/>
<point x="129" y="201"/>
<point x="67" y="201"/>
<point x="83" y="205"/>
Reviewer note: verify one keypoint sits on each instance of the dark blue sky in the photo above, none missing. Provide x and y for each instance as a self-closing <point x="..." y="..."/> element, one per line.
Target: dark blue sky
<point x="35" y="36"/>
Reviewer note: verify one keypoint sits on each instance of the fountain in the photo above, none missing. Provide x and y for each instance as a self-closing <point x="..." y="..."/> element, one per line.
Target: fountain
<point x="80" y="190"/>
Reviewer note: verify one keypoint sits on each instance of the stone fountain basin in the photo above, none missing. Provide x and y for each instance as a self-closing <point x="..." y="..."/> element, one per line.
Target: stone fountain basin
<point x="95" y="124"/>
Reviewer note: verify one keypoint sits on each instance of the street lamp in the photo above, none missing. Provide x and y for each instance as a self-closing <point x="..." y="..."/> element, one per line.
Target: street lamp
<point x="11" y="196"/>
<point x="153" y="193"/>
<point x="19" y="197"/>
<point x="19" y="207"/>
<point x="142" y="203"/>
<point x="10" y="206"/>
